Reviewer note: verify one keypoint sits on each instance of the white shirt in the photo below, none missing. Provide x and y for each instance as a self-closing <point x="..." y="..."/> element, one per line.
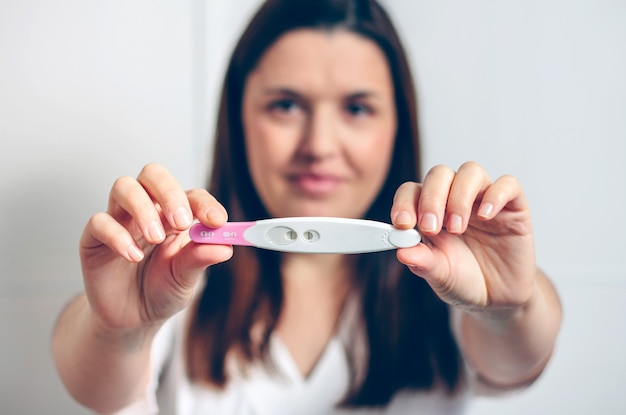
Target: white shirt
<point x="263" y="393"/>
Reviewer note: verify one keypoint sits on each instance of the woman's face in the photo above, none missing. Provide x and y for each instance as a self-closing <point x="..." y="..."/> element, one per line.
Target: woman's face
<point x="319" y="121"/>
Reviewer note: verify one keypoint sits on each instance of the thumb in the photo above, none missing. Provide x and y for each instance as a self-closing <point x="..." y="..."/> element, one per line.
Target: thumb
<point x="425" y="263"/>
<point x="193" y="259"/>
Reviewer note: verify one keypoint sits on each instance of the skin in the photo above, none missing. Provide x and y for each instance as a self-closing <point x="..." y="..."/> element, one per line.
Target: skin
<point x="319" y="141"/>
<point x="313" y="153"/>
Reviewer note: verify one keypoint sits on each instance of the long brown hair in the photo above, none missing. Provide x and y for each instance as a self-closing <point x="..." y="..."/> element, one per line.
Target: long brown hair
<point x="409" y="338"/>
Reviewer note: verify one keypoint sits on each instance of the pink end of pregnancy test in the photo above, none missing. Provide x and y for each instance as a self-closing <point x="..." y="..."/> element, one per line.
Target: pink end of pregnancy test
<point x="232" y="233"/>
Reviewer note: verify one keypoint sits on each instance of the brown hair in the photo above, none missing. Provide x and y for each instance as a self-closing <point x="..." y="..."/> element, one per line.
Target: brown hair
<point x="409" y="338"/>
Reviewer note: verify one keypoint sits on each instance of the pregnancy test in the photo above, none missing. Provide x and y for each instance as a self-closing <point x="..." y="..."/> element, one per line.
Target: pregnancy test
<point x="309" y="235"/>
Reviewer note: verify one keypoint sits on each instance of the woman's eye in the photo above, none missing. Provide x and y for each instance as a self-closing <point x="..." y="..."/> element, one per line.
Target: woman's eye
<point x="358" y="110"/>
<point x="284" y="106"/>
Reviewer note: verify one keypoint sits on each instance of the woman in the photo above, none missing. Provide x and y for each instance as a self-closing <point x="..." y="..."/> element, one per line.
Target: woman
<point x="317" y="118"/>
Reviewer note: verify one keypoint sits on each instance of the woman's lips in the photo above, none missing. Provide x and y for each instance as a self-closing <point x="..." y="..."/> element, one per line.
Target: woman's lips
<point x="316" y="184"/>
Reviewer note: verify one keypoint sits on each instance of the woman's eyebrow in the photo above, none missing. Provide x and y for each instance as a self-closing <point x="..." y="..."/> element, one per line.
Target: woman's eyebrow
<point x="281" y="91"/>
<point x="363" y="94"/>
<point x="289" y="92"/>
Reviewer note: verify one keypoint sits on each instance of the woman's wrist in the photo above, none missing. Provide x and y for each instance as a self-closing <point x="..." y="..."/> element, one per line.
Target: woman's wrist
<point x="499" y="317"/>
<point x="128" y="340"/>
<point x="511" y="345"/>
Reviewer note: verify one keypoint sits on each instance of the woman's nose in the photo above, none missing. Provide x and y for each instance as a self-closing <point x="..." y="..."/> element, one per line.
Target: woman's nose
<point x="320" y="138"/>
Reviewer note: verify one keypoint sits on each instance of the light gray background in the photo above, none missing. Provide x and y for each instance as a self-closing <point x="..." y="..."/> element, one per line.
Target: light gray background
<point x="92" y="90"/>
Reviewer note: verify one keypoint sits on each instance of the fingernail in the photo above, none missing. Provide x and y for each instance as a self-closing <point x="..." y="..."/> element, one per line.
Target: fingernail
<point x="181" y="217"/>
<point x="403" y="218"/>
<point x="455" y="223"/>
<point x="485" y="210"/>
<point x="156" y="232"/>
<point x="428" y="223"/>
<point x="135" y="253"/>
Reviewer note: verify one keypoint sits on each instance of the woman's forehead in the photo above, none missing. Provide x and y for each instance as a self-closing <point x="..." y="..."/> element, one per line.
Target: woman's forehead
<point x="323" y="59"/>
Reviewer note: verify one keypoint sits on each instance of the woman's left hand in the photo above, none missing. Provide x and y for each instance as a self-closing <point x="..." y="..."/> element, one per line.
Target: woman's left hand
<point x="478" y="248"/>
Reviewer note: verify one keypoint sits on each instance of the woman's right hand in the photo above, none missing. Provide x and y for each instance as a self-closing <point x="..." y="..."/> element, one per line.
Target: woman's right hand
<point x="139" y="265"/>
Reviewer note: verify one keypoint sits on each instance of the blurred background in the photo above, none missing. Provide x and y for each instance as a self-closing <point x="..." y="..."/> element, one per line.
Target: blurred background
<point x="93" y="90"/>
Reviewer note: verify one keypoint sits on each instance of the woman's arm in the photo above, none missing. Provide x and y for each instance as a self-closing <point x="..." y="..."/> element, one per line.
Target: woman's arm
<point x="102" y="369"/>
<point x="478" y="255"/>
<point x="139" y="268"/>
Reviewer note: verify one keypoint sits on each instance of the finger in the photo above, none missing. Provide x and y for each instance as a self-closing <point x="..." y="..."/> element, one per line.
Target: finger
<point x="129" y="200"/>
<point x="102" y="229"/>
<point x="419" y="259"/>
<point x="206" y="208"/>
<point x="422" y="262"/>
<point x="469" y="183"/>
<point x="403" y="210"/>
<point x="185" y="261"/>
<point x="193" y="259"/>
<point x="504" y="192"/>
<point x="166" y="191"/>
<point x="433" y="199"/>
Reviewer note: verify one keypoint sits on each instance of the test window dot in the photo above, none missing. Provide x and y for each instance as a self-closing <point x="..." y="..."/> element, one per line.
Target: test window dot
<point x="310" y="236"/>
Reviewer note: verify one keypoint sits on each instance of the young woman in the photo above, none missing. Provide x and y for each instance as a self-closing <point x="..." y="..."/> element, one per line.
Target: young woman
<point x="317" y="118"/>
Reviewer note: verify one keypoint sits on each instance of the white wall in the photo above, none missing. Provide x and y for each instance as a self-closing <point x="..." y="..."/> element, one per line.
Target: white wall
<point x="537" y="89"/>
<point x="93" y="90"/>
<point x="89" y="91"/>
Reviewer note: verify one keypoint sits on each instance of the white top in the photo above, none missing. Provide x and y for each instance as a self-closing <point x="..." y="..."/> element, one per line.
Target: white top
<point x="264" y="393"/>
